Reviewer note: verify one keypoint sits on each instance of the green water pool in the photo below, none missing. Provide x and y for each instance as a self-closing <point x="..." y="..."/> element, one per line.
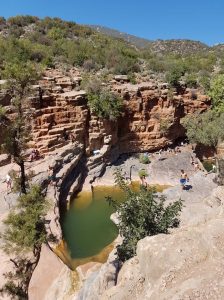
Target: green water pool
<point x="87" y="229"/>
<point x="87" y="226"/>
<point x="208" y="164"/>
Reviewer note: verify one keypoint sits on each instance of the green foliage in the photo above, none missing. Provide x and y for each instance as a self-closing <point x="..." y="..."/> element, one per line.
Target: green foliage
<point x="56" y="33"/>
<point x="23" y="234"/>
<point x="2" y="113"/>
<point x="19" y="77"/>
<point x="22" y="20"/>
<point x="102" y="102"/>
<point x="142" y="173"/>
<point x="144" y="159"/>
<point x="165" y="125"/>
<point x="25" y="228"/>
<point x="132" y="78"/>
<point x="66" y="42"/>
<point x="173" y="76"/>
<point x="204" y="81"/>
<point x="191" y="80"/>
<point x="51" y="40"/>
<point x="217" y="92"/>
<point x="105" y="105"/>
<point x="142" y="214"/>
<point x="17" y="285"/>
<point x="206" y="129"/>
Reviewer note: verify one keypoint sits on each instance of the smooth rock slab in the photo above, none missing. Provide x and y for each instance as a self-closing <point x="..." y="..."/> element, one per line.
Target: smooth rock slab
<point x="49" y="269"/>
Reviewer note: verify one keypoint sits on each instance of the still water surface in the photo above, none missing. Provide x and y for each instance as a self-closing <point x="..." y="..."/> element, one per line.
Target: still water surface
<point x="87" y="228"/>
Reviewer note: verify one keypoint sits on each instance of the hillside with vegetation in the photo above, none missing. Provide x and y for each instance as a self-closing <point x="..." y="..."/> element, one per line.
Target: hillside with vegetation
<point x="50" y="42"/>
<point x="132" y="39"/>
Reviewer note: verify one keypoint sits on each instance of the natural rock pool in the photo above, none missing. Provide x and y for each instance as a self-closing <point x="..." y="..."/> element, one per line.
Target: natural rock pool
<point x="87" y="229"/>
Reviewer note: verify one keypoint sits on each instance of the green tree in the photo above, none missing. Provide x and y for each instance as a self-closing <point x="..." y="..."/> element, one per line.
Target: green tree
<point x="142" y="173"/>
<point x="206" y="129"/>
<point x="104" y="103"/>
<point x="173" y="76"/>
<point x="165" y="125"/>
<point x="142" y="214"/>
<point x="144" y="158"/>
<point x="204" y="80"/>
<point x="19" y="76"/>
<point x="191" y="80"/>
<point x="56" y="33"/>
<point x="217" y="92"/>
<point x="24" y="233"/>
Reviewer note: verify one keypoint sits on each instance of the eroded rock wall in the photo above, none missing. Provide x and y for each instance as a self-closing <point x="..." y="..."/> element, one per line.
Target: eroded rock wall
<point x="150" y="118"/>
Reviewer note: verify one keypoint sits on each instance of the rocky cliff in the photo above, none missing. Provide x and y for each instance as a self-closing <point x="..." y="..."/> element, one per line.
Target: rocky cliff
<point x="150" y="119"/>
<point x="186" y="264"/>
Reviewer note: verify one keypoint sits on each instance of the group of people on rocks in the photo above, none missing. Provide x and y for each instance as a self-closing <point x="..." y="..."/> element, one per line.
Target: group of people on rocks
<point x="35" y="155"/>
<point x="183" y="177"/>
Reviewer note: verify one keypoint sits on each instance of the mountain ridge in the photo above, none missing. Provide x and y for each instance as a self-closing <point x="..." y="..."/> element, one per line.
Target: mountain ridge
<point x="158" y="45"/>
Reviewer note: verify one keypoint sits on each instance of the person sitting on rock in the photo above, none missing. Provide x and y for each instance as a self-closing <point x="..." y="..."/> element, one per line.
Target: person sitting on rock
<point x="183" y="179"/>
<point x="35" y="155"/>
<point x="65" y="134"/>
<point x="72" y="137"/>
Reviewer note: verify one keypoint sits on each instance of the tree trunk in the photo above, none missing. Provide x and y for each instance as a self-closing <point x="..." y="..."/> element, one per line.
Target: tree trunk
<point x="23" y="177"/>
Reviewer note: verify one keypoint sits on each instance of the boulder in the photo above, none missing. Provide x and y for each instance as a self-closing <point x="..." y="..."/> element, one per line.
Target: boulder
<point x="121" y="78"/>
<point x="4" y="159"/>
<point x="50" y="269"/>
<point x="187" y="264"/>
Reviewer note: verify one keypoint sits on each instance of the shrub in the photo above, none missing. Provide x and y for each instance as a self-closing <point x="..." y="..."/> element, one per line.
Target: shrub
<point x="142" y="173"/>
<point x="165" y="124"/>
<point x="22" y="20"/>
<point x="217" y="92"/>
<point x="25" y="228"/>
<point x="24" y="234"/>
<point x="89" y="65"/>
<point x="206" y="129"/>
<point x="174" y="75"/>
<point x="56" y="33"/>
<point x="142" y="214"/>
<point x="191" y="81"/>
<point x="204" y="81"/>
<point x="105" y="105"/>
<point x="144" y="159"/>
<point x="102" y="101"/>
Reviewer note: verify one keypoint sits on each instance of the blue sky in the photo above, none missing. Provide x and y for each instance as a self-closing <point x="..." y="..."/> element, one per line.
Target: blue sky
<point x="164" y="19"/>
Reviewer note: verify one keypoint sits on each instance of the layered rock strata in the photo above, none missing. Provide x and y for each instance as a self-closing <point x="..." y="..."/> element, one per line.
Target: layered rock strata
<point x="150" y="118"/>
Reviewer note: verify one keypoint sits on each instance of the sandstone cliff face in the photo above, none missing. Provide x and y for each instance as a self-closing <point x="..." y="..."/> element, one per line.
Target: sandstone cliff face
<point x="150" y="119"/>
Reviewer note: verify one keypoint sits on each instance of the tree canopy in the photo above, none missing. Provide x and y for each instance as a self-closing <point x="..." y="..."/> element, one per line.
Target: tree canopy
<point x="19" y="76"/>
<point x="206" y="129"/>
<point x="142" y="213"/>
<point x="217" y="92"/>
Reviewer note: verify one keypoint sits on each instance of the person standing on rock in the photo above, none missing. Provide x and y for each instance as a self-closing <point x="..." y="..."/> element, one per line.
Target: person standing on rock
<point x="183" y="179"/>
<point x="51" y="176"/>
<point x="8" y="183"/>
<point x="144" y="183"/>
